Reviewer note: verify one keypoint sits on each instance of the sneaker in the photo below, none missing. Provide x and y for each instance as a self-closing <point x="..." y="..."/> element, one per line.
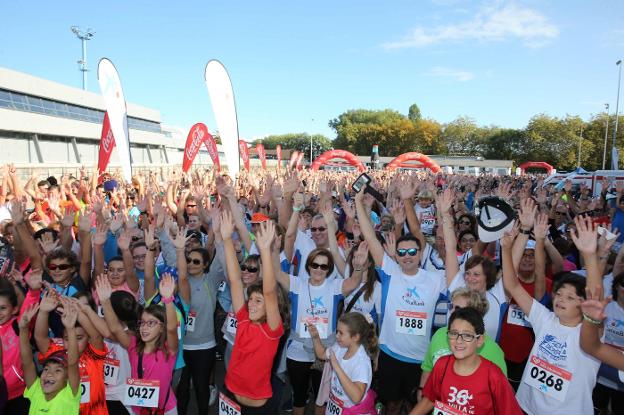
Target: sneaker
<point x="213" y="395"/>
<point x="288" y="405"/>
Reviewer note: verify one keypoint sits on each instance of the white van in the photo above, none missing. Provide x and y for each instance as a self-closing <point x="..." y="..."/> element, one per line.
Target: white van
<point x="593" y="180"/>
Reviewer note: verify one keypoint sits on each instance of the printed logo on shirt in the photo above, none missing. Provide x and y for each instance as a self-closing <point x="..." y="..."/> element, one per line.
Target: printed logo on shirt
<point x="554" y="350"/>
<point x="411" y="297"/>
<point x="318" y="302"/>
<point x="460" y="399"/>
<point x="614" y="333"/>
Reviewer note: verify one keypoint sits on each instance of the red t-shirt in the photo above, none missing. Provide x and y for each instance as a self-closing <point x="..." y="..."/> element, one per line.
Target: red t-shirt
<point x="517" y="341"/>
<point x="486" y="391"/>
<point x="254" y="349"/>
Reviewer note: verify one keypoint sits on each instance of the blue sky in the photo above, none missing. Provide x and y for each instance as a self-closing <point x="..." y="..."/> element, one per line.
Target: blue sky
<point x="297" y="64"/>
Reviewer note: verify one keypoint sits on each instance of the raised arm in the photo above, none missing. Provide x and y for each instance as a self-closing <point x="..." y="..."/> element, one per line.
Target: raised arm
<point x="179" y="242"/>
<point x="84" y="232"/>
<point x="49" y="302"/>
<point x="293" y="226"/>
<point x="167" y="289"/>
<point x="407" y="189"/>
<point x="366" y="226"/>
<point x="69" y="317"/>
<point x="26" y="355"/>
<point x="528" y="210"/>
<point x="540" y="231"/>
<point x="28" y="242"/>
<point x="444" y="203"/>
<point x="149" y="286"/>
<point x="231" y="262"/>
<point x="586" y="240"/>
<point x="264" y="240"/>
<point x="328" y="215"/>
<point x="104" y="291"/>
<point x="360" y="258"/>
<point x="510" y="280"/>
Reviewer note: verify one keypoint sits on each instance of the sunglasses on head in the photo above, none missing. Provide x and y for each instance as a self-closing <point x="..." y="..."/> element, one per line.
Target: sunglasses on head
<point x="319" y="229"/>
<point x="62" y="267"/>
<point x="323" y="267"/>
<point x="194" y="261"/>
<point x="249" y="268"/>
<point x="410" y="251"/>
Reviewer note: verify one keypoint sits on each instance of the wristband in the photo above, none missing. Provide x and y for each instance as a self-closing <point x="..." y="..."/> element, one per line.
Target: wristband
<point x="525" y="232"/>
<point x="591" y="320"/>
<point x="358" y="269"/>
<point x="297" y="209"/>
<point x="167" y="300"/>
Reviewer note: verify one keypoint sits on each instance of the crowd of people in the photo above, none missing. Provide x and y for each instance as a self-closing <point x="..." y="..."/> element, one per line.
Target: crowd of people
<point x="412" y="294"/>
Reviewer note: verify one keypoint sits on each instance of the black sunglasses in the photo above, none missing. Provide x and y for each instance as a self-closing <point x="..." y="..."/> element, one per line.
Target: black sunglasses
<point x="319" y="229"/>
<point x="193" y="261"/>
<point x="323" y="267"/>
<point x="249" y="268"/>
<point x="136" y="238"/>
<point x="62" y="267"/>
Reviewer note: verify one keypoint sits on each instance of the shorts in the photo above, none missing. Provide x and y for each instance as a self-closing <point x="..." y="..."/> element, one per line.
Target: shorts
<point x="398" y="381"/>
<point x="249" y="410"/>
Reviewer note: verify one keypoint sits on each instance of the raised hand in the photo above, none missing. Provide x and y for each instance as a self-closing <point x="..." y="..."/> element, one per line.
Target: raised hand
<point x="34" y="279"/>
<point x="150" y="239"/>
<point x="68" y="218"/>
<point x="444" y="202"/>
<point x="101" y="234"/>
<point x="594" y="305"/>
<point x="124" y="240"/>
<point x="397" y="209"/>
<point x="50" y="301"/>
<point x="179" y="240"/>
<point x="528" y="209"/>
<point x="27" y="317"/>
<point x="166" y="287"/>
<point x="605" y="243"/>
<point x="509" y="237"/>
<point x="227" y="225"/>
<point x="266" y="235"/>
<point x="541" y="226"/>
<point x="69" y="314"/>
<point x="84" y="221"/>
<point x="17" y="212"/>
<point x="585" y="237"/>
<point x="117" y="222"/>
<point x="103" y="288"/>
<point x="390" y="244"/>
<point x="47" y="243"/>
<point x="298" y="201"/>
<point x="360" y="256"/>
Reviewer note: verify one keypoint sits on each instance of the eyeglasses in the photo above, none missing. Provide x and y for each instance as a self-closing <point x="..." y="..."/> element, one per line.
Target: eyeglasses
<point x="319" y="229"/>
<point x="411" y="252"/>
<point x="467" y="337"/>
<point x="150" y="324"/>
<point x="249" y="268"/>
<point x="465" y="222"/>
<point x="560" y="213"/>
<point x="194" y="261"/>
<point x="323" y="267"/>
<point x="62" y="267"/>
<point x="138" y="257"/>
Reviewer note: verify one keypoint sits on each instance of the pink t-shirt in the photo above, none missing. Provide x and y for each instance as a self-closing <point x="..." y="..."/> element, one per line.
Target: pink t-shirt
<point x="156" y="366"/>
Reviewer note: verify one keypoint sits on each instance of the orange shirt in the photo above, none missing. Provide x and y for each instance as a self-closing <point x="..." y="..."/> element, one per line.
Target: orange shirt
<point x="91" y="366"/>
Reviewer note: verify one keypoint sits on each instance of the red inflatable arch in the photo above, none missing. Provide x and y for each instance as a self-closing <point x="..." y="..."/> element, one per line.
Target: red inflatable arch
<point x="401" y="161"/>
<point x="337" y="154"/>
<point x="536" y="165"/>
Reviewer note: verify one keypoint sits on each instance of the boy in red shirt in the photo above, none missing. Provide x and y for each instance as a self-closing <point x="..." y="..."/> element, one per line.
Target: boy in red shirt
<point x="464" y="382"/>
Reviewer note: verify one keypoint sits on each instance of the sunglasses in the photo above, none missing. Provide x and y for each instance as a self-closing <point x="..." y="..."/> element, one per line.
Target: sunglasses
<point x="464" y="222"/>
<point x="193" y="261"/>
<point x="323" y="267"/>
<point x="560" y="213"/>
<point x="319" y="229"/>
<point x="191" y="206"/>
<point x="62" y="267"/>
<point x="136" y="238"/>
<point x="149" y="324"/>
<point x="249" y="268"/>
<point x="411" y="252"/>
<point x="467" y="337"/>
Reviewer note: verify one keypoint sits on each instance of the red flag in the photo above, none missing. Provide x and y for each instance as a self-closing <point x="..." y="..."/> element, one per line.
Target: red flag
<point x="211" y="146"/>
<point x="278" y="152"/>
<point x="194" y="140"/>
<point x="107" y="143"/>
<point x="261" y="155"/>
<point x="298" y="161"/>
<point x="293" y="159"/>
<point x="244" y="152"/>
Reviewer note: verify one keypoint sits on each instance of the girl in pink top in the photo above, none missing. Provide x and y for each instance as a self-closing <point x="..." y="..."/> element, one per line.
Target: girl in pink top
<point x="153" y="353"/>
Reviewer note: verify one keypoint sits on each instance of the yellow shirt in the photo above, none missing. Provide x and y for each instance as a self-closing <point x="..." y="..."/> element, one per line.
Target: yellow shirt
<point x="64" y="403"/>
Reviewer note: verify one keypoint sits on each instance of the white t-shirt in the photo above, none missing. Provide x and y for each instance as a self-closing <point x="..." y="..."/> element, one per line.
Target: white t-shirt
<point x="408" y="305"/>
<point x="427" y="217"/>
<point x="497" y="303"/>
<point x="358" y="368"/>
<point x="307" y="302"/>
<point x="559" y="346"/>
<point x="302" y="248"/>
<point x="614" y="336"/>
<point x="362" y="306"/>
<point x="115" y="391"/>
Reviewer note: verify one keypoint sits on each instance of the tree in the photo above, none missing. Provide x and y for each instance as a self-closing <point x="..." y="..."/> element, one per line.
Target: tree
<point x="463" y="137"/>
<point x="414" y="114"/>
<point x="298" y="141"/>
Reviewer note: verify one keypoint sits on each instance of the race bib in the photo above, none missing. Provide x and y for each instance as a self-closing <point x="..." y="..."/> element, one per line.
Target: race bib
<point x="231" y="323"/>
<point x="321" y="323"/>
<point x="547" y="378"/>
<point x="190" y="322"/>
<point x="444" y="409"/>
<point x="111" y="371"/>
<point x="228" y="406"/>
<point x="85" y="390"/>
<point x="141" y="392"/>
<point x="516" y="316"/>
<point x="334" y="406"/>
<point x="411" y="322"/>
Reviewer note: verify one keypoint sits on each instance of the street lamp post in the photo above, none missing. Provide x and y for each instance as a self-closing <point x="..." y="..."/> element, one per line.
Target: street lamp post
<point x="604" y="149"/>
<point x="83" y="36"/>
<point x="617" y="109"/>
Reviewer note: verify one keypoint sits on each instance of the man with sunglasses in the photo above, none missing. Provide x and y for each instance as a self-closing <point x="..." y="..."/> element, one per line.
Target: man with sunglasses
<point x="409" y="296"/>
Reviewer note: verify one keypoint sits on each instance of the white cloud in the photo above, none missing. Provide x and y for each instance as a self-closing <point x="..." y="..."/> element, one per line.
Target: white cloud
<point x="450" y="74"/>
<point x="491" y="24"/>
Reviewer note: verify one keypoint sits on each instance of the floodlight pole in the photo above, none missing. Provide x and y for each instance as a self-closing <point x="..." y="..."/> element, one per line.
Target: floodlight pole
<point x="83" y="36"/>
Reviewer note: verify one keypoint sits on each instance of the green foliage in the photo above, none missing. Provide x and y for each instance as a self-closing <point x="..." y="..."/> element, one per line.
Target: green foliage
<point x="414" y="113"/>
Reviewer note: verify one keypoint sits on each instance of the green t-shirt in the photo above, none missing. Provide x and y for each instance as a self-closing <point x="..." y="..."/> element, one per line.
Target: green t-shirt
<point x="64" y="403"/>
<point x="439" y="347"/>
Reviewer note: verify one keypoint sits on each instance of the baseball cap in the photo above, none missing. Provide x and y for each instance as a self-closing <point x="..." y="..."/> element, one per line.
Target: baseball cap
<point x="57" y="356"/>
<point x="494" y="217"/>
<point x="259" y="218"/>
